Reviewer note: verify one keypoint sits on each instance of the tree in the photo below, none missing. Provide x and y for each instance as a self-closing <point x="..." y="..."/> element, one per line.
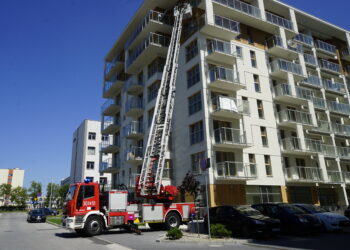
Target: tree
<point x="19" y="196"/>
<point x="34" y="190"/>
<point x="51" y="189"/>
<point x="189" y="185"/>
<point x="5" y="190"/>
<point x="62" y="193"/>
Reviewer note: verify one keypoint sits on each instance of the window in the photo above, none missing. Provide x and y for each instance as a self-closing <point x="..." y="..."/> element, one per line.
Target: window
<point x="193" y="76"/>
<point x="105" y="137"/>
<point x="153" y="91"/>
<point x="239" y="51"/>
<point x="264" y="136"/>
<point x="268" y="167"/>
<point x="253" y="59"/>
<point x="191" y="50"/>
<point x="194" y="103"/>
<point x="89" y="190"/>
<point x="196" y="132"/>
<point x="90" y="165"/>
<point x="156" y="66"/>
<point x="103" y="180"/>
<point x="150" y="116"/>
<point x="196" y="160"/>
<point x="263" y="194"/>
<point x="260" y="109"/>
<point x="252" y="165"/>
<point x="257" y="83"/>
<point x="92" y="136"/>
<point x="140" y="78"/>
<point x="91" y="150"/>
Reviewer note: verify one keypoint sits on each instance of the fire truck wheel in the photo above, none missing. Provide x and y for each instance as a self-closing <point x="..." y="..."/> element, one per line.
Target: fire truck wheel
<point x="93" y="226"/>
<point x="172" y="220"/>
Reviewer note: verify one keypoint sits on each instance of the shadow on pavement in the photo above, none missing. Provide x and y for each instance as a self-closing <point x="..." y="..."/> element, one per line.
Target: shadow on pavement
<point x="69" y="235"/>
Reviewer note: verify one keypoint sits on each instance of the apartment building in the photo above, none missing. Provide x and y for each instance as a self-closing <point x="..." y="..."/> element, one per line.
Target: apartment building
<point x="262" y="90"/>
<point x="14" y="177"/>
<point x="86" y="156"/>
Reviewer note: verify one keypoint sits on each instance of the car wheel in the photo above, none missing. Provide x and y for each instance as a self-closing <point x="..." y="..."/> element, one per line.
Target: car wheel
<point x="172" y="220"/>
<point x="93" y="226"/>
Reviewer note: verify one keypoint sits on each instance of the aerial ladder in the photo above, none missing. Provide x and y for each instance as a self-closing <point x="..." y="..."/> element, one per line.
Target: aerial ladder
<point x="149" y="183"/>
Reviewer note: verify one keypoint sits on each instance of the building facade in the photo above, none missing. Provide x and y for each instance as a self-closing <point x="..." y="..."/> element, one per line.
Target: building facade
<point x="262" y="90"/>
<point x="86" y="156"/>
<point x="14" y="177"/>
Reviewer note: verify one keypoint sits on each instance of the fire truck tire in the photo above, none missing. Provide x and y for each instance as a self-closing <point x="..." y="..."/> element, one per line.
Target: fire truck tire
<point x="93" y="226"/>
<point x="172" y="220"/>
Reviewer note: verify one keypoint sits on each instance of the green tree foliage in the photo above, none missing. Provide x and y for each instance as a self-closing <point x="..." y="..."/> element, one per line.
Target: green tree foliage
<point x="34" y="189"/>
<point x="52" y="189"/>
<point x="19" y="196"/>
<point x="5" y="189"/>
<point x="63" y="191"/>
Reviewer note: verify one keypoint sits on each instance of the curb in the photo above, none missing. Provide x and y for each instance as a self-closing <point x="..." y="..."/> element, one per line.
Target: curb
<point x="54" y="224"/>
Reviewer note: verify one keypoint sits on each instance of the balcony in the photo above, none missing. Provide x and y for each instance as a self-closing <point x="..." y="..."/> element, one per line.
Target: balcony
<point x="334" y="87"/>
<point x="110" y="125"/>
<point x="221" y="52"/>
<point x="111" y="145"/>
<point x="275" y="47"/>
<point x="341" y="129"/>
<point x="289" y="118"/>
<point x="134" y="155"/>
<point x="235" y="171"/>
<point x="346" y="54"/>
<point x="293" y="145"/>
<point x="304" y="39"/>
<point x="154" y="20"/>
<point x="229" y="108"/>
<point x="340" y="108"/>
<point x="312" y="81"/>
<point x="303" y="174"/>
<point x="326" y="48"/>
<point x="108" y="166"/>
<point x="222" y="28"/>
<point x="328" y="151"/>
<point x="112" y="87"/>
<point x="132" y="180"/>
<point x="134" y="107"/>
<point x="323" y="127"/>
<point x="279" y="21"/>
<point x="310" y="60"/>
<point x="114" y="66"/>
<point x="280" y="68"/>
<point x="283" y="93"/>
<point x="110" y="107"/>
<point x="224" y="79"/>
<point x="134" y="130"/>
<point x="335" y="177"/>
<point x="344" y="153"/>
<point x="133" y="87"/>
<point x="319" y="103"/>
<point x="329" y="67"/>
<point x="153" y="46"/>
<point x="229" y="138"/>
<point x="346" y="177"/>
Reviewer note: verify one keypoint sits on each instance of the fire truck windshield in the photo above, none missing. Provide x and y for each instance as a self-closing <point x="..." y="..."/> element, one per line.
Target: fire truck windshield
<point x="70" y="193"/>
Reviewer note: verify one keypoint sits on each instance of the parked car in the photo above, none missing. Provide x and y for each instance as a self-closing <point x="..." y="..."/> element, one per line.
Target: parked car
<point x="347" y="212"/>
<point x="36" y="216"/>
<point x="244" y="220"/>
<point x="331" y="221"/>
<point x="48" y="211"/>
<point x="293" y="219"/>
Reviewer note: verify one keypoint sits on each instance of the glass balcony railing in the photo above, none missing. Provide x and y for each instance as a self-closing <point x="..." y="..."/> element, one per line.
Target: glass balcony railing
<point x="134" y="154"/>
<point x="133" y="103"/>
<point x="110" y="65"/>
<point x="305" y="39"/>
<point x="334" y="86"/>
<point x="313" y="145"/>
<point x="341" y="129"/>
<point x="108" y="121"/>
<point x="295" y="116"/>
<point x="110" y="141"/>
<point x="224" y="103"/>
<point x="276" y="41"/>
<point x="344" y="152"/>
<point x="242" y="7"/>
<point x="133" y="128"/>
<point x="323" y="126"/>
<point x="227" y="24"/>
<point x="339" y="107"/>
<point x="153" y="38"/>
<point x="346" y="177"/>
<point x="310" y="59"/>
<point x="291" y="143"/>
<point x="304" y="174"/>
<point x="319" y="102"/>
<point x="109" y="103"/>
<point x="132" y="83"/>
<point x="285" y="90"/>
<point x="229" y="136"/>
<point x="334" y="176"/>
<point x="219" y="46"/>
<point x="328" y="150"/>
<point x="236" y="170"/>
<point x="346" y="52"/>
<point x="280" y="21"/>
<point x="295" y="144"/>
<point x="330" y="66"/>
<point x="313" y="80"/>
<point x="326" y="47"/>
<point x="283" y="65"/>
<point x="108" y="163"/>
<point x="217" y="73"/>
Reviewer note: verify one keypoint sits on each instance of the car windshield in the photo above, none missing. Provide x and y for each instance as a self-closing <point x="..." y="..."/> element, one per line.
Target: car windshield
<point x="292" y="209"/>
<point x="313" y="209"/>
<point x="70" y="193"/>
<point x="36" y="212"/>
<point x="247" y="210"/>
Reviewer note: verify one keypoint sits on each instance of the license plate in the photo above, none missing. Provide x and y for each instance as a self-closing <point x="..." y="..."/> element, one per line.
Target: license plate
<point x="276" y="229"/>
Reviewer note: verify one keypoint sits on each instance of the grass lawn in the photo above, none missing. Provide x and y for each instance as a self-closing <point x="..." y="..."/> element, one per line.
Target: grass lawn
<point x="54" y="219"/>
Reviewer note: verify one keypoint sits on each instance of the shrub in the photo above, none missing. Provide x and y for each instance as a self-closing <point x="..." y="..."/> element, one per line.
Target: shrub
<point x="174" y="234"/>
<point x="219" y="230"/>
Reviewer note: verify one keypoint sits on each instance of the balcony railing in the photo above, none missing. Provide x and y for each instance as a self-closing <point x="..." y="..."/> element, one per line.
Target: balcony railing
<point x="313" y="80"/>
<point x="305" y="39"/>
<point x="291" y="143"/>
<point x="133" y="128"/>
<point x="285" y="90"/>
<point x="242" y="7"/>
<point x="328" y="150"/>
<point x="153" y="15"/>
<point x="276" y="41"/>
<point x="304" y="174"/>
<point x="319" y="102"/>
<point x="280" y="21"/>
<point x="295" y="116"/>
<point x="108" y="164"/>
<point x="109" y="103"/>
<point x="111" y="141"/>
<point x="217" y="73"/>
<point x="110" y="65"/>
<point x="134" y="154"/>
<point x="344" y="152"/>
<point x="346" y="177"/>
<point x="236" y="170"/>
<point x="153" y="38"/>
<point x="310" y="59"/>
<point x="280" y="64"/>
<point x="334" y="86"/>
<point x="334" y="176"/>
<point x="341" y="129"/>
<point x="339" y="107"/>
<point x="323" y="126"/>
<point x="326" y="47"/>
<point x="313" y="145"/>
<point x="108" y="121"/>
<point x="131" y="83"/>
<point x="134" y="103"/>
<point x="329" y="66"/>
<point x="224" y="103"/>
<point x="220" y="47"/>
<point x="346" y="52"/>
<point x="229" y="136"/>
<point x="227" y="24"/>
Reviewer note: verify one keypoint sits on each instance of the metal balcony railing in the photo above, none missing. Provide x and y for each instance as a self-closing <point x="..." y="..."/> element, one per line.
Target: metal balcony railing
<point x="227" y="23"/>
<point x="214" y="45"/>
<point x="224" y="103"/>
<point x="304" y="174"/>
<point x="134" y="127"/>
<point x="280" y="64"/>
<point x="327" y="65"/>
<point x="326" y="47"/>
<point x="334" y="86"/>
<point x="339" y="107"/>
<point x="134" y="154"/>
<point x="313" y="80"/>
<point x="334" y="176"/>
<point x="310" y="59"/>
<point x="229" y="136"/>
<point x="341" y="129"/>
<point x="305" y="39"/>
<point x="242" y="7"/>
<point x="323" y="126"/>
<point x="235" y="170"/>
<point x="319" y="102"/>
<point x="295" y="116"/>
<point x="343" y="152"/>
<point x="223" y="74"/>
<point x="280" y="21"/>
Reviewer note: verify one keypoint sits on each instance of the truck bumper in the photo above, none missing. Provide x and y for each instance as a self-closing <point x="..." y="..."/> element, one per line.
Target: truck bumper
<point x="69" y="222"/>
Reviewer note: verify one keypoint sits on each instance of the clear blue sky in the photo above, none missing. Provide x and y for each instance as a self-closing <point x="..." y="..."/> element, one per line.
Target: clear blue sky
<point x="51" y="68"/>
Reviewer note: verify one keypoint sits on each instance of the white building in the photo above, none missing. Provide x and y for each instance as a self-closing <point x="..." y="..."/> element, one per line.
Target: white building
<point x="14" y="177"/>
<point x="262" y="90"/>
<point x="86" y="153"/>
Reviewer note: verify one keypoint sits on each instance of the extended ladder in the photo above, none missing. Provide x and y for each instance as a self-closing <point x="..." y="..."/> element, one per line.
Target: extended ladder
<point x="153" y="164"/>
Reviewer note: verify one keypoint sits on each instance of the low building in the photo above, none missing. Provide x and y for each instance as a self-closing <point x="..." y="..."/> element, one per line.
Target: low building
<point x="14" y="177"/>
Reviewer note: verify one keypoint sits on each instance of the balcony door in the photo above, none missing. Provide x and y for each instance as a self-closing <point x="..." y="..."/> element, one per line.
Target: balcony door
<point x="226" y="165"/>
<point x="222" y="131"/>
<point x="301" y="169"/>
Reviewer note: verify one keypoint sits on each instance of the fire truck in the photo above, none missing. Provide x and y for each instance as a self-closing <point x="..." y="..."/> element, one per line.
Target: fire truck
<point x="90" y="209"/>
